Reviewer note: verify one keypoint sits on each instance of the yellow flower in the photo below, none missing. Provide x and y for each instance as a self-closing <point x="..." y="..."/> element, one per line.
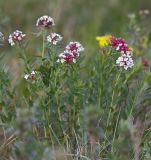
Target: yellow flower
<point x="103" y="40"/>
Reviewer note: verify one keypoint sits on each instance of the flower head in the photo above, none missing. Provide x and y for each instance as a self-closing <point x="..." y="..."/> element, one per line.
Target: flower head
<point x="104" y="40"/>
<point x="74" y="47"/>
<point x="54" y="38"/>
<point x="123" y="48"/>
<point x="71" y="53"/>
<point x="31" y="76"/>
<point x="144" y="12"/>
<point x="125" y="61"/>
<point x="26" y="76"/>
<point x="16" y="36"/>
<point x="117" y="42"/>
<point x="68" y="57"/>
<point x="45" y="21"/>
<point x="120" y="45"/>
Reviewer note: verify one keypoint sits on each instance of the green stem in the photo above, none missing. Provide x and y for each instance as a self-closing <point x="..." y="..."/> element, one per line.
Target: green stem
<point x="112" y="100"/>
<point x="45" y="132"/>
<point x="43" y="45"/>
<point x="101" y="68"/>
<point x="136" y="97"/>
<point x="108" y="119"/>
<point x="23" y="56"/>
<point x="115" y="130"/>
<point x="46" y="126"/>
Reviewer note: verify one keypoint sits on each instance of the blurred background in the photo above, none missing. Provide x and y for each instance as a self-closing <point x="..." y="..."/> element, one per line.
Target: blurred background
<point x="75" y="19"/>
<point x="78" y="20"/>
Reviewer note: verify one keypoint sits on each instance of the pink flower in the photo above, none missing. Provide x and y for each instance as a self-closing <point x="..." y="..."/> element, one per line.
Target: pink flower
<point x="74" y="47"/>
<point x="120" y="45"/>
<point x="116" y="41"/>
<point x="45" y="21"/>
<point x="68" y="57"/>
<point x="54" y="38"/>
<point x="16" y="36"/>
<point x="71" y="53"/>
<point x="123" y="48"/>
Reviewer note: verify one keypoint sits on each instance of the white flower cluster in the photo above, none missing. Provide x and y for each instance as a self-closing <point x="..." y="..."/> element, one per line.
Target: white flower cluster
<point x="74" y="47"/>
<point x="67" y="57"/>
<point x="45" y="21"/>
<point x="31" y="76"/>
<point x="71" y="53"/>
<point x="16" y="36"/>
<point x="54" y="38"/>
<point x="125" y="60"/>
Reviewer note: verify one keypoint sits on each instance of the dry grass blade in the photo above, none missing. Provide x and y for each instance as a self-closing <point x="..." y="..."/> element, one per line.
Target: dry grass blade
<point x="6" y="147"/>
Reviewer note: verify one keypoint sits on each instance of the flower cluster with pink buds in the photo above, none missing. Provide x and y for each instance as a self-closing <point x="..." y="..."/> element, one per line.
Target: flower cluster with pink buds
<point x="31" y="76"/>
<point x="71" y="53"/>
<point x="15" y="37"/>
<point x="74" y="47"/>
<point x="125" y="59"/>
<point x="120" y="45"/>
<point x="54" y="38"/>
<point x="45" y="21"/>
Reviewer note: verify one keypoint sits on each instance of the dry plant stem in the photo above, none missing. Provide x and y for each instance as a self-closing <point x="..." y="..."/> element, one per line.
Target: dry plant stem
<point x="55" y="136"/>
<point x="76" y="156"/>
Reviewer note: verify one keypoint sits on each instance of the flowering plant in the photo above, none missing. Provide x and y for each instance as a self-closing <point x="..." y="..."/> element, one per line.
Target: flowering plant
<point x="87" y="104"/>
<point x="120" y="46"/>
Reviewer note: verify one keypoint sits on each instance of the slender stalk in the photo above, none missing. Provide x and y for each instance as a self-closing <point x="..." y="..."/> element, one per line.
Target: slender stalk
<point x="43" y="45"/>
<point x="54" y="134"/>
<point x="108" y="119"/>
<point x="100" y="81"/>
<point x="112" y="100"/>
<point x="23" y="56"/>
<point x="75" y="155"/>
<point x="45" y="132"/>
<point x="115" y="130"/>
<point x="136" y="97"/>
